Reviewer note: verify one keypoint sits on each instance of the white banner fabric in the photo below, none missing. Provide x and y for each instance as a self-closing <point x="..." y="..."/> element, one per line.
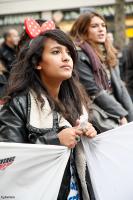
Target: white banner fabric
<point x="31" y="172"/>
<point x="110" y="162"/>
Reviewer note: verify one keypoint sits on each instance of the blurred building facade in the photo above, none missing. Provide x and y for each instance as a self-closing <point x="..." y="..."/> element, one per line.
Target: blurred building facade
<point x="63" y="12"/>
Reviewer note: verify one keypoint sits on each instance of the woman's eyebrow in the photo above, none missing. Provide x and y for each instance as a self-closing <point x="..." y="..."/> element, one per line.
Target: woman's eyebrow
<point x="58" y="47"/>
<point x="97" y="23"/>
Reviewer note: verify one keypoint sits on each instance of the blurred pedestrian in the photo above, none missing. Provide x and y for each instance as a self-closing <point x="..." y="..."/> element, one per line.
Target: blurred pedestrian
<point x="98" y="70"/>
<point x="110" y="37"/>
<point x="8" y="48"/>
<point x="7" y="57"/>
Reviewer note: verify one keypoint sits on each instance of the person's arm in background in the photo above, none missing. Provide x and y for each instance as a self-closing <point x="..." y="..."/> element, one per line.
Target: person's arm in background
<point x="129" y="69"/>
<point x="123" y="96"/>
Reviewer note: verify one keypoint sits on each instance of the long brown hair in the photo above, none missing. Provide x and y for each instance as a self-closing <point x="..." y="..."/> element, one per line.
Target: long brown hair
<point x="79" y="32"/>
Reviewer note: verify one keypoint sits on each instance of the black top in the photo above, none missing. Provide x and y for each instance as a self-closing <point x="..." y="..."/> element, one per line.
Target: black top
<point x="7" y="56"/>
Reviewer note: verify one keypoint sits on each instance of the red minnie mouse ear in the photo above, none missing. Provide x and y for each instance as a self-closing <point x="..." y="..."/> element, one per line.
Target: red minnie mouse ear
<point x="32" y="28"/>
<point x="48" y="25"/>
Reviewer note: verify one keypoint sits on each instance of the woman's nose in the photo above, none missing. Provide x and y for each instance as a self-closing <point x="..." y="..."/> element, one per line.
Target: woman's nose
<point x="65" y="57"/>
<point x="101" y="28"/>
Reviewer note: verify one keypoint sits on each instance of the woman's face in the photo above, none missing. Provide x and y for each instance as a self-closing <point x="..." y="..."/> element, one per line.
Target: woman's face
<point x="97" y="30"/>
<point x="56" y="63"/>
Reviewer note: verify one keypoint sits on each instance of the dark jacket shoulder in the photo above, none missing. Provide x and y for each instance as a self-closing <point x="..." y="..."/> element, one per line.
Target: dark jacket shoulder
<point x="85" y="72"/>
<point x="82" y="55"/>
<point x="13" y="117"/>
<point x="19" y="103"/>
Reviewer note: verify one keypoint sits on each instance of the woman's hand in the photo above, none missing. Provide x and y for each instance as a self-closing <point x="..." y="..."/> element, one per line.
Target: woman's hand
<point x="89" y="130"/>
<point x="68" y="136"/>
<point x="123" y="121"/>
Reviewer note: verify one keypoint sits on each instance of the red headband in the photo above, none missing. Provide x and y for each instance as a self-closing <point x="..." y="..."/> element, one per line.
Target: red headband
<point x="33" y="29"/>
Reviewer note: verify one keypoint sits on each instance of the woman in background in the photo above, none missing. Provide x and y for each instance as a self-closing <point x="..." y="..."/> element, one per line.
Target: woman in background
<point x="98" y="69"/>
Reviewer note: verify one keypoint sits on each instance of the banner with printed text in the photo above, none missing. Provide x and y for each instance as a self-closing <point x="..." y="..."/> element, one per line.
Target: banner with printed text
<point x="31" y="172"/>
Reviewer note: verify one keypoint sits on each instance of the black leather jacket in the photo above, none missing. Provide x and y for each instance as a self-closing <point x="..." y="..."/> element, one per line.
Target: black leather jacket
<point x="121" y="105"/>
<point x="14" y="123"/>
<point x="15" y="127"/>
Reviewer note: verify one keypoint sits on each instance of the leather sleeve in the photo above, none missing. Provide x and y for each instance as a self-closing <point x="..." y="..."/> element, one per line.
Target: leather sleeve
<point x="127" y="102"/>
<point x="13" y="121"/>
<point x="109" y="104"/>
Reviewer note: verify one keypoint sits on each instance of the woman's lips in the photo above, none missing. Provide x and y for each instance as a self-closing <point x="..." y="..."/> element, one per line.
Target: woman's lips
<point x="101" y="35"/>
<point x="68" y="67"/>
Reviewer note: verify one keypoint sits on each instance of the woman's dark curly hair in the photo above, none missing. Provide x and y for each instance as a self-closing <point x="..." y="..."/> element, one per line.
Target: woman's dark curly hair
<point x="24" y="76"/>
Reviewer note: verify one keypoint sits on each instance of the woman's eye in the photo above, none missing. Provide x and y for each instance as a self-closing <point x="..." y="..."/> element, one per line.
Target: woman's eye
<point x="68" y="52"/>
<point x="104" y="25"/>
<point x="93" y="26"/>
<point x="55" y="52"/>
